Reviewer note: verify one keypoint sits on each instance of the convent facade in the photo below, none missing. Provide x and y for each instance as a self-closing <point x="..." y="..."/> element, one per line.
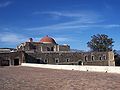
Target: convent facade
<point x="47" y="51"/>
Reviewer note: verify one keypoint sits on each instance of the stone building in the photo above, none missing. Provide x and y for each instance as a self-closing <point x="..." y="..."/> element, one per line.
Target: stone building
<point x="45" y="44"/>
<point x="47" y="51"/>
<point x="10" y="57"/>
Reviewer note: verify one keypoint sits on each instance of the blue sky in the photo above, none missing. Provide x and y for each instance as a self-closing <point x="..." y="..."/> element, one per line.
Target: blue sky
<point x="71" y="22"/>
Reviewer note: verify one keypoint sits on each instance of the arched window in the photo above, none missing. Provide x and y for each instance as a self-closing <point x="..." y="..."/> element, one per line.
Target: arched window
<point x="100" y="58"/>
<point x="92" y="58"/>
<point x="80" y="63"/>
<point x="56" y="60"/>
<point x="104" y="57"/>
<point x="68" y="59"/>
<point x="86" y="58"/>
<point x="46" y="61"/>
<point x="52" y="49"/>
<point x="48" y="49"/>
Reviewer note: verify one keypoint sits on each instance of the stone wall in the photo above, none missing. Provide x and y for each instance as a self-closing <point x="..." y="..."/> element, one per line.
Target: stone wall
<point x="11" y="58"/>
<point x="59" y="57"/>
<point x="79" y="58"/>
<point x="99" y="58"/>
<point x="105" y="69"/>
<point x="56" y="57"/>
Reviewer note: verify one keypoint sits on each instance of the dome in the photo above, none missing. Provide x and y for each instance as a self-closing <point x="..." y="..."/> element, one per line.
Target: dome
<point x="47" y="39"/>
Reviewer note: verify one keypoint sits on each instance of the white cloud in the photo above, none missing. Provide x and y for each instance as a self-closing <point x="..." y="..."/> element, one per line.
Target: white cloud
<point x="73" y="25"/>
<point x="66" y="14"/>
<point x="83" y="16"/>
<point x="78" y="19"/>
<point x="5" y="4"/>
<point x="12" y="38"/>
<point x="112" y="25"/>
<point x="61" y="39"/>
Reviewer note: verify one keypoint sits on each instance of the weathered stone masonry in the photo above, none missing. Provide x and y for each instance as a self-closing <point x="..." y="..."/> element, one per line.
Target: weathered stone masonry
<point x="47" y="51"/>
<point x="11" y="58"/>
<point x="77" y="58"/>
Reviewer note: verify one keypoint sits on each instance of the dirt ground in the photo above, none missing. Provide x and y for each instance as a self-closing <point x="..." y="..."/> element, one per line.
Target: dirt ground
<point x="26" y="78"/>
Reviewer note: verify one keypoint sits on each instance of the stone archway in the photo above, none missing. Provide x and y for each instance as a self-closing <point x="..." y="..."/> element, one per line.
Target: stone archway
<point x="80" y="62"/>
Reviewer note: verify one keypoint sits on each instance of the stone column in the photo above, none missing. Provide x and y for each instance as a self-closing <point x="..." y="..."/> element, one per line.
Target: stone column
<point x="58" y="48"/>
<point x="41" y="48"/>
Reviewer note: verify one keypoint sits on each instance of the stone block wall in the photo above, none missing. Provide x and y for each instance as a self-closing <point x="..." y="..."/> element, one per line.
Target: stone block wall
<point x="57" y="57"/>
<point x="79" y="58"/>
<point x="11" y="58"/>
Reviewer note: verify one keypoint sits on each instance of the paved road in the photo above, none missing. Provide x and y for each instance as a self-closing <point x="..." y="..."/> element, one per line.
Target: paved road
<point x="26" y="78"/>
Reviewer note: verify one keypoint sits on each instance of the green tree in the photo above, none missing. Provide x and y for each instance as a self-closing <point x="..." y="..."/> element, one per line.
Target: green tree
<point x="100" y="42"/>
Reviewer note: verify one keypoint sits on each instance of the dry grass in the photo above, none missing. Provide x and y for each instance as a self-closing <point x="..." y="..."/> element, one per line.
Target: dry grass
<point x="26" y="78"/>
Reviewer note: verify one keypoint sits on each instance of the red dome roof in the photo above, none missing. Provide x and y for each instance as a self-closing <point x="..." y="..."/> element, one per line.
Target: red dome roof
<point x="47" y="39"/>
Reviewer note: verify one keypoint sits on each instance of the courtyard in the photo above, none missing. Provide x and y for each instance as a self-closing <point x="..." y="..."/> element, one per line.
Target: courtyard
<point x="29" y="78"/>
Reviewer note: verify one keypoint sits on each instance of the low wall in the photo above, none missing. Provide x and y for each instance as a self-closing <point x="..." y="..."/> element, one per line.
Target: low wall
<point x="108" y="69"/>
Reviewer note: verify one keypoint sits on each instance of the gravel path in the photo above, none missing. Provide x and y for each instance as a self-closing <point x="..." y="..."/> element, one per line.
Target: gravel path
<point x="26" y="78"/>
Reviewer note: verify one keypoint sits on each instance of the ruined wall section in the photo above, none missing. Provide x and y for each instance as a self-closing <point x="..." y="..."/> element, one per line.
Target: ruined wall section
<point x="9" y="58"/>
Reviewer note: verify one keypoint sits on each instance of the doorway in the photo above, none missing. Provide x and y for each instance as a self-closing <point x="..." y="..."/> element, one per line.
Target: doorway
<point x="80" y="63"/>
<point x="16" y="62"/>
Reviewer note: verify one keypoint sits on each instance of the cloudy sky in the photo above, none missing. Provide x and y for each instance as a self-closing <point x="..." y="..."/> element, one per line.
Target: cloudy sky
<point x="70" y="22"/>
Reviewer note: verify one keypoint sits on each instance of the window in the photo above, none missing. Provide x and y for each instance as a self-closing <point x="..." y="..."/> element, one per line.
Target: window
<point x="86" y="58"/>
<point x="68" y="59"/>
<point x="52" y="49"/>
<point x="100" y="58"/>
<point x="48" y="49"/>
<point x="92" y="58"/>
<point x="56" y="60"/>
<point x="46" y="61"/>
<point x="80" y="63"/>
<point x="104" y="57"/>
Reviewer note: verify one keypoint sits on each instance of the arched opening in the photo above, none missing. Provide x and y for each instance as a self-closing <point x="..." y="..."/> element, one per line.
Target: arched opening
<point x="80" y="63"/>
<point x="92" y="58"/>
<point x="52" y="49"/>
<point x="45" y="61"/>
<point x="67" y="59"/>
<point x="48" y="49"/>
<point x="56" y="60"/>
<point x="104" y="57"/>
<point x="100" y="58"/>
<point x="86" y="58"/>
